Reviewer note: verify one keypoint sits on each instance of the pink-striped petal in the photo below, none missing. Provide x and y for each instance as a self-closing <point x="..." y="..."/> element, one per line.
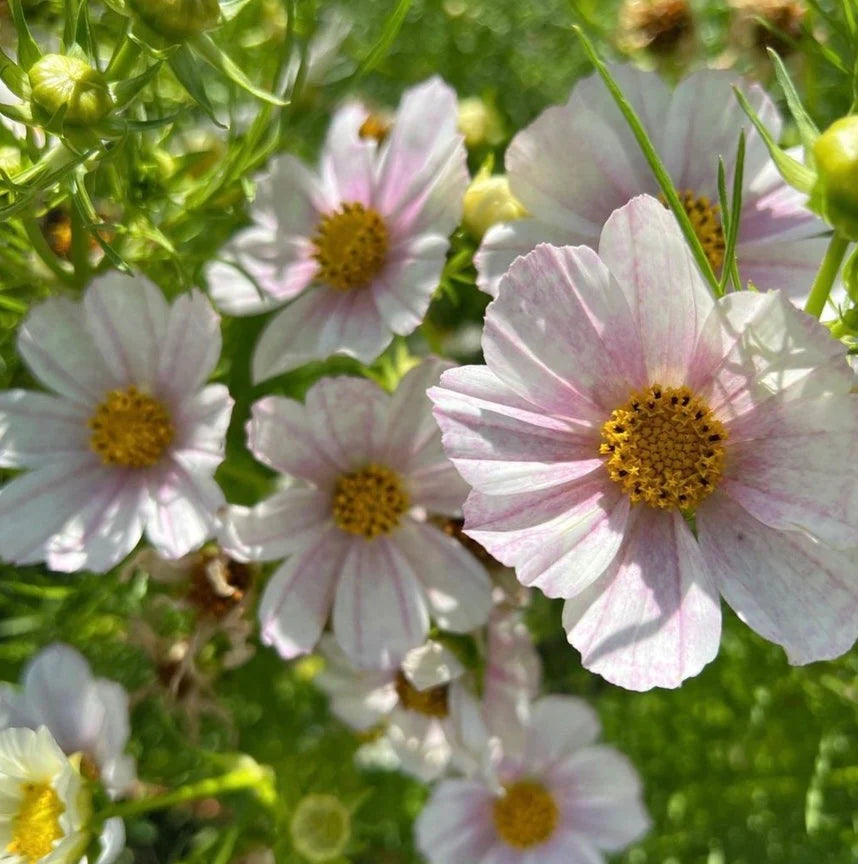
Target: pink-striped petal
<point x="455" y="826"/>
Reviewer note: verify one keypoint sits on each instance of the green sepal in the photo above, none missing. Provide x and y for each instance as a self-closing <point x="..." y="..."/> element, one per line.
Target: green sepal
<point x="807" y="129"/>
<point x="184" y="66"/>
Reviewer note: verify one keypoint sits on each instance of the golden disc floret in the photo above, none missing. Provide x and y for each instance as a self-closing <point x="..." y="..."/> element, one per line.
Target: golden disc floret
<point x="664" y="447"/>
<point x="431" y="702"/>
<point x="369" y="502"/>
<point x="130" y="429"/>
<point x="705" y="217"/>
<point x="351" y="246"/>
<point x="525" y="814"/>
<point x="37" y="824"/>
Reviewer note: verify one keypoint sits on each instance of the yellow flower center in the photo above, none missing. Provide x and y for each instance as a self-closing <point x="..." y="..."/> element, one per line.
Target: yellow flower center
<point x="525" y="815"/>
<point x="369" y="502"/>
<point x="351" y="246"/>
<point x="37" y="824"/>
<point x="705" y="218"/>
<point x="376" y="126"/>
<point x="432" y="702"/>
<point x="130" y="429"/>
<point x="664" y="447"/>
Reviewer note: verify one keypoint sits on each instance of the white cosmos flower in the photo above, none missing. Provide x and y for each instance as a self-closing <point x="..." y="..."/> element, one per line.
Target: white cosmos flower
<point x="131" y="436"/>
<point x="85" y="714"/>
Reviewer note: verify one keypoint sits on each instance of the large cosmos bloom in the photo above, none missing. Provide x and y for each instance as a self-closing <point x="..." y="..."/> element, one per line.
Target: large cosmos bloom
<point x="361" y="243"/>
<point x="132" y="437"/>
<point x="85" y="715"/>
<point x="577" y="163"/>
<point x="620" y="399"/>
<point x="366" y="469"/>
<point x="550" y="796"/>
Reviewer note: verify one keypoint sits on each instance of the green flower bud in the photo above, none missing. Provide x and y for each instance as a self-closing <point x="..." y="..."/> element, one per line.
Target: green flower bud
<point x="488" y="200"/>
<point x="835" y="195"/>
<point x="177" y="20"/>
<point x="479" y="122"/>
<point x="57" y="81"/>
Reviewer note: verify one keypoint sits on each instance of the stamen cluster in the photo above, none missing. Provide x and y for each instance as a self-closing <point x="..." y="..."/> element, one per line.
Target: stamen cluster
<point x="705" y="218"/>
<point x="369" y="502"/>
<point x="130" y="429"/>
<point x="351" y="246"/>
<point x="433" y="701"/>
<point x="664" y="448"/>
<point x="525" y="815"/>
<point x="37" y="824"/>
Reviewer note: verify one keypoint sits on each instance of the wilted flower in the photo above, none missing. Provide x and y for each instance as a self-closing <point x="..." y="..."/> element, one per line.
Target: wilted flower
<point x="577" y="163"/>
<point x="659" y="26"/>
<point x="131" y="439"/>
<point x="363" y="241"/>
<point x="549" y="795"/>
<point x="367" y="470"/>
<point x="85" y="715"/>
<point x="763" y="24"/>
<point x="618" y="400"/>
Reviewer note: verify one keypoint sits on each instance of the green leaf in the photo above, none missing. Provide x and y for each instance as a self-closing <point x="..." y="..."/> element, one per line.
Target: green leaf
<point x="230" y="8"/>
<point x="184" y="67"/>
<point x="731" y="222"/>
<point x="13" y="76"/>
<point x="126" y="90"/>
<point x="806" y="127"/>
<point x="385" y="40"/>
<point x="654" y="161"/>
<point x="28" y="51"/>
<point x="86" y="210"/>
<point x="798" y="175"/>
<point x="215" y="56"/>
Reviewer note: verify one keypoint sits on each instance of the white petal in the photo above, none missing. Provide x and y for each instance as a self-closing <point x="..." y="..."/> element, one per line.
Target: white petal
<point x="558" y="727"/>
<point x="201" y="421"/>
<point x="431" y="665"/>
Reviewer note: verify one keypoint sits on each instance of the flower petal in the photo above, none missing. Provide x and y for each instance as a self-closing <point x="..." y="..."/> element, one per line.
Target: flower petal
<point x="506" y="241"/>
<point x="455" y="826"/>
<point x="456" y="585"/>
<point x="37" y="429"/>
<point x="379" y="611"/>
<point x="654" y="618"/>
<point x="348" y="160"/>
<point x="646" y="253"/>
<point x="419" y="743"/>
<point x="431" y="665"/>
<point x="235" y="292"/>
<point x="128" y="320"/>
<point x="558" y="727"/>
<point x="561" y="334"/>
<point x="201" y="421"/>
<point x="559" y="540"/>
<point x="320" y="323"/>
<point x="500" y="443"/>
<point x="275" y="527"/>
<point x="793" y="591"/>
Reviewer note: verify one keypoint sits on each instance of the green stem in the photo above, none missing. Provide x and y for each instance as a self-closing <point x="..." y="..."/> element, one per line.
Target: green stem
<point x="827" y="274"/>
<point x="251" y="776"/>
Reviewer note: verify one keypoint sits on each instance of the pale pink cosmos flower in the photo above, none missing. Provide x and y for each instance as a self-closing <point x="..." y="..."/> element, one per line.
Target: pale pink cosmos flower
<point x="577" y="163"/>
<point x="129" y="439"/>
<point x="366" y="470"/>
<point x="619" y="396"/>
<point x="359" y="245"/>
<point x="550" y="795"/>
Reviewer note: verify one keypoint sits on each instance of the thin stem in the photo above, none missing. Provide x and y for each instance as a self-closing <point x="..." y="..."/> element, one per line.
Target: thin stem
<point x="251" y="776"/>
<point x="827" y="274"/>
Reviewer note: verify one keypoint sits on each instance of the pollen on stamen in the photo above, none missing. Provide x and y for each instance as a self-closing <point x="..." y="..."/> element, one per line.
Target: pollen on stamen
<point x="369" y="502"/>
<point x="351" y="246"/>
<point x="431" y="702"/>
<point x="525" y="815"/>
<point x="130" y="429"/>
<point x="705" y="217"/>
<point x="37" y="825"/>
<point x="664" y="448"/>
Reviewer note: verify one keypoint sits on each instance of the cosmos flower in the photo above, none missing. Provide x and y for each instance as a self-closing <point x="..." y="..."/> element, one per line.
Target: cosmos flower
<point x="366" y="469"/>
<point x="359" y="246"/>
<point x="623" y="411"/>
<point x="553" y="796"/>
<point x="577" y="163"/>
<point x="84" y="714"/>
<point x="45" y="807"/>
<point x="130" y="438"/>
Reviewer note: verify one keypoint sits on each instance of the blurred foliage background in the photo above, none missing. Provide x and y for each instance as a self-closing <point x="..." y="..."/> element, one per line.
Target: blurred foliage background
<point x="753" y="761"/>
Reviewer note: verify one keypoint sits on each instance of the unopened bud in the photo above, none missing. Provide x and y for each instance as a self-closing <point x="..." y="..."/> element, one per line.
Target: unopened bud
<point x="59" y="81"/>
<point x="320" y="827"/>
<point x="479" y="122"/>
<point x="835" y="195"/>
<point x="488" y="200"/>
<point x="177" y="20"/>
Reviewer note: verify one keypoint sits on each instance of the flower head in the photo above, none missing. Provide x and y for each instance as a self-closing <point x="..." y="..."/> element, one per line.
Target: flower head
<point x="85" y="715"/>
<point x="550" y="794"/>
<point x="360" y="244"/>
<point x="577" y="163"/>
<point x="130" y="438"/>
<point x="366" y="469"/>
<point x="619" y="400"/>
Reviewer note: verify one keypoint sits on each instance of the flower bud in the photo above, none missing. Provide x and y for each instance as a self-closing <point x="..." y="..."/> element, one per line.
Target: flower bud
<point x="320" y="827"/>
<point x="488" y="200"/>
<point x="57" y="80"/>
<point x="479" y="122"/>
<point x="177" y="20"/>
<point x="835" y="195"/>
